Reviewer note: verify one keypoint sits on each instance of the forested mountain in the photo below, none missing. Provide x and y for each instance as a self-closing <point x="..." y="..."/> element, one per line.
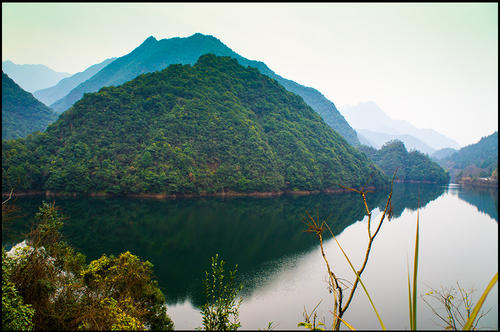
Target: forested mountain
<point x="153" y="55"/>
<point x="369" y="116"/>
<point x="61" y="89"/>
<point x="22" y="114"/>
<point x="411" y="166"/>
<point x="32" y="77"/>
<point x="212" y="127"/>
<point x="479" y="159"/>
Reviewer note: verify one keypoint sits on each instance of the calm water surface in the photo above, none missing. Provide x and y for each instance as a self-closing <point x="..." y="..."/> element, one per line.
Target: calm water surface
<point x="279" y="264"/>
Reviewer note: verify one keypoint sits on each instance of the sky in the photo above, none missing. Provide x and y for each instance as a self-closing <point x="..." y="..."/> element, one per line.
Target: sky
<point x="432" y="64"/>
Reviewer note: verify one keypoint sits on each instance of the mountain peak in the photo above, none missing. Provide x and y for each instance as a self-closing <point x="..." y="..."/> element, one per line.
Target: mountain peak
<point x="149" y="40"/>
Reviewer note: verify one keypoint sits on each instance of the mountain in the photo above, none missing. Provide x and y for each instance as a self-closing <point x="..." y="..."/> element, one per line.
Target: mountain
<point x="212" y="127"/>
<point x="443" y="153"/>
<point x="22" y="114"/>
<point x="64" y="86"/>
<point x="370" y="117"/>
<point x="378" y="139"/>
<point x="32" y="77"/>
<point x="479" y="159"/>
<point x="153" y="55"/>
<point x="411" y="166"/>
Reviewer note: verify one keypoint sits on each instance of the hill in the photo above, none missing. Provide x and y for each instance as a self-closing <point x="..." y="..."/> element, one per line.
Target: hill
<point x="32" y="77"/>
<point x="479" y="159"/>
<point x="212" y="127"/>
<point x="370" y="117"/>
<point x="153" y="55"/>
<point x="22" y="114"/>
<point x="64" y="86"/>
<point x="411" y="166"/>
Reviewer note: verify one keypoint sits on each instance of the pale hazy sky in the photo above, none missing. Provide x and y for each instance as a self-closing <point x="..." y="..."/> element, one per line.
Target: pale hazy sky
<point x="432" y="64"/>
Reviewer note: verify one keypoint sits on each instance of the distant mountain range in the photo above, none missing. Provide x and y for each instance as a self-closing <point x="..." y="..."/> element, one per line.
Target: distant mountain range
<point x="378" y="139"/>
<point x="64" y="86"/>
<point x="32" y="77"/>
<point x="376" y="126"/>
<point x="153" y="55"/>
<point x="22" y="114"/>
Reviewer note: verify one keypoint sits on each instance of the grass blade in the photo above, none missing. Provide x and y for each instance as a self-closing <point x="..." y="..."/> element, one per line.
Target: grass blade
<point x="346" y="323"/>
<point x="479" y="304"/>
<point x="415" y="268"/>
<point x="409" y="294"/>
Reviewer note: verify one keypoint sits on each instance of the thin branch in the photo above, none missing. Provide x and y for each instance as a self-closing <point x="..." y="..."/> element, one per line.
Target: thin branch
<point x="10" y="196"/>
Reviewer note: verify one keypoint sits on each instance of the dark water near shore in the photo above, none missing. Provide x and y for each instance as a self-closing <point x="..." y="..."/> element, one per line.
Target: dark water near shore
<point x="280" y="265"/>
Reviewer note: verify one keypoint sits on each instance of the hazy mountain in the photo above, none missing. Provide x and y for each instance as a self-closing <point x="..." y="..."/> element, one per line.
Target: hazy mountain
<point x="153" y="55"/>
<point x="64" y="86"/>
<point x="479" y="159"/>
<point x="443" y="153"/>
<point x="378" y="139"/>
<point x="212" y="127"/>
<point x="32" y="77"/>
<point x="22" y="114"/>
<point x="370" y="117"/>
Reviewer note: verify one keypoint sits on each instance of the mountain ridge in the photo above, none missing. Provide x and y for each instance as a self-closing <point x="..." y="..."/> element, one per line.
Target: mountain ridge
<point x="32" y="77"/>
<point x="153" y="55"/>
<point x="368" y="115"/>
<point x="64" y="86"/>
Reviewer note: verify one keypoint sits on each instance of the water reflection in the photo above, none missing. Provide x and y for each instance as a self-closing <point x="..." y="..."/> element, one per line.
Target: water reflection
<point x="484" y="199"/>
<point x="180" y="236"/>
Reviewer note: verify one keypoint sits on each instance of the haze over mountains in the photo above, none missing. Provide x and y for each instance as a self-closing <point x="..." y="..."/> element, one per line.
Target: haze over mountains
<point x="153" y="55"/>
<point x="32" y="77"/>
<point x="377" y="128"/>
<point x="64" y="86"/>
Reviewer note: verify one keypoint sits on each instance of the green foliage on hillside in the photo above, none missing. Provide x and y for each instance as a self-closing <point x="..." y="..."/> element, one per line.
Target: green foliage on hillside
<point x="212" y="127"/>
<point x="22" y="114"/>
<point x="479" y="159"/>
<point x="411" y="166"/>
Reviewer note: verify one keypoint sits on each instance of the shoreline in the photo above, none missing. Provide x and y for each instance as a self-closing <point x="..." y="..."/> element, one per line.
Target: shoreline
<point x="228" y="194"/>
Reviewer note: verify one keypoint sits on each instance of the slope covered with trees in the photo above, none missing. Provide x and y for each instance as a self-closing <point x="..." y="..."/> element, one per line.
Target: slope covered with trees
<point x="411" y="166"/>
<point x="212" y="127"/>
<point x="22" y="114"/>
<point x="479" y="159"/>
<point x="153" y="55"/>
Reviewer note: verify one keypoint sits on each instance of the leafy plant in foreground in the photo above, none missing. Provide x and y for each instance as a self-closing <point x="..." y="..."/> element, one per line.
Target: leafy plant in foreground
<point x="220" y="312"/>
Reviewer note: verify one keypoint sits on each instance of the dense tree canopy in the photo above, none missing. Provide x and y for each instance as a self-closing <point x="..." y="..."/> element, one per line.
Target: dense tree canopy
<point x="212" y="127"/>
<point x="22" y="114"/>
<point x="411" y="166"/>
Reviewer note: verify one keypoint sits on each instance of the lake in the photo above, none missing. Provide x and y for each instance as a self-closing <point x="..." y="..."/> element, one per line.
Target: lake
<point x="280" y="265"/>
